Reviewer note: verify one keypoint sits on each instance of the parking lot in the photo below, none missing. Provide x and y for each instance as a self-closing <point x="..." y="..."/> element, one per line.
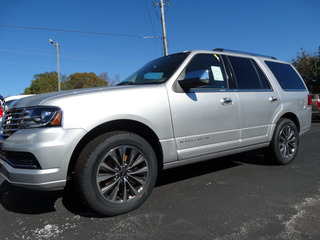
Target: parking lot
<point x="238" y="197"/>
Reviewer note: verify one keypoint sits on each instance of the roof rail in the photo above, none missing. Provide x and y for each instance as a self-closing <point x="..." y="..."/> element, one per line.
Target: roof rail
<point x="247" y="53"/>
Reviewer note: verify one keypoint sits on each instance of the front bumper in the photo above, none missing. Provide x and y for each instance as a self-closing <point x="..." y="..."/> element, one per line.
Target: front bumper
<point x="52" y="148"/>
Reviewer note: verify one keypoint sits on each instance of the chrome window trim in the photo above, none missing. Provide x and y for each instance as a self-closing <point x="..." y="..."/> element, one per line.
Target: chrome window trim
<point x="229" y="90"/>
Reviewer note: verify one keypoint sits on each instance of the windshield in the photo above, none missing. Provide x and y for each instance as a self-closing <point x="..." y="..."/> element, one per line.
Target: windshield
<point x="156" y="71"/>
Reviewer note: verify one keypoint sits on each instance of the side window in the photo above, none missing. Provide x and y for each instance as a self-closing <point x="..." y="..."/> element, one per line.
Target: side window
<point x="286" y="76"/>
<point x="263" y="79"/>
<point x="206" y="63"/>
<point x="246" y="73"/>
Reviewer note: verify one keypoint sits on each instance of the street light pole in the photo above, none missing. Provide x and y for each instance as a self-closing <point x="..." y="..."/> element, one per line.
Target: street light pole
<point x="57" y="46"/>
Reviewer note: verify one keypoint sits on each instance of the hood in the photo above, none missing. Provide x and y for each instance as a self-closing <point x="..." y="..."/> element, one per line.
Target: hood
<point x="48" y="98"/>
<point x="40" y="98"/>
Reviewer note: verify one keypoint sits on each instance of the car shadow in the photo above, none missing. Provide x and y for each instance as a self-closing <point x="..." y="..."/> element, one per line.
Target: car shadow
<point x="169" y="176"/>
<point x="194" y="170"/>
<point x="25" y="201"/>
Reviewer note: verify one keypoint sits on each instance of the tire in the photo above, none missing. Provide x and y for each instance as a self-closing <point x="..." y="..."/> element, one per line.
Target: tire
<point x="116" y="172"/>
<point x="285" y="142"/>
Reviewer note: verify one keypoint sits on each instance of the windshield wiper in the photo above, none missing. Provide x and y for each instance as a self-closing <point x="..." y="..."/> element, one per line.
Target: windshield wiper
<point x="146" y="83"/>
<point x="125" y="83"/>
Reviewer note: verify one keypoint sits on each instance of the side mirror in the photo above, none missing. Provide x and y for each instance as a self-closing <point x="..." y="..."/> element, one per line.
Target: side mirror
<point x="195" y="79"/>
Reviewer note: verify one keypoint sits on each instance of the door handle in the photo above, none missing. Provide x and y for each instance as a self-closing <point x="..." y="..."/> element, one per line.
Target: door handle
<point x="226" y="101"/>
<point x="273" y="99"/>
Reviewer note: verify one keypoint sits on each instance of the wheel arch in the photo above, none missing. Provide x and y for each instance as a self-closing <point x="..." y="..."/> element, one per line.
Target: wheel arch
<point x="293" y="117"/>
<point x="119" y="125"/>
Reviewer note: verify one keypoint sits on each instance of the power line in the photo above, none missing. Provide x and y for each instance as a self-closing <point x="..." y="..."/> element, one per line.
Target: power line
<point x="67" y="55"/>
<point x="145" y="1"/>
<point x="78" y="31"/>
<point x="155" y="4"/>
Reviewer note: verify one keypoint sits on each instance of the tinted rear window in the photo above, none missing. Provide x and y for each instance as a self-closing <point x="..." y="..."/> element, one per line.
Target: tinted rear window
<point x="248" y="74"/>
<point x="245" y="73"/>
<point x="287" y="77"/>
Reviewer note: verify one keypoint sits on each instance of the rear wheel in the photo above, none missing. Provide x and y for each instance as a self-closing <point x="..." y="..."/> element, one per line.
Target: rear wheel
<point x="285" y="142"/>
<point x="116" y="172"/>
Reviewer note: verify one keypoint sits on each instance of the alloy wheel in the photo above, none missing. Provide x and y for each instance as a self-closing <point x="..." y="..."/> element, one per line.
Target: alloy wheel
<point x="122" y="174"/>
<point x="287" y="141"/>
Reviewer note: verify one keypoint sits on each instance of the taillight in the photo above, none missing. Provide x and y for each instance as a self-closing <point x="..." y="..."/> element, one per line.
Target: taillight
<point x="317" y="104"/>
<point x="309" y="100"/>
<point x="0" y="111"/>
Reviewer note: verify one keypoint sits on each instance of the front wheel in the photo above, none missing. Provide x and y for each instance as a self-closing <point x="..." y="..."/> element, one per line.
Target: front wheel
<point x="285" y="142"/>
<point x="116" y="172"/>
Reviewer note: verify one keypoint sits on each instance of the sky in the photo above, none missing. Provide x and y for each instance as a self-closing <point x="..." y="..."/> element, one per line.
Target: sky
<point x="278" y="28"/>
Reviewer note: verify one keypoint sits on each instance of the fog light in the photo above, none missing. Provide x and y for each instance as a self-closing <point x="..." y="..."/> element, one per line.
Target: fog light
<point x="20" y="159"/>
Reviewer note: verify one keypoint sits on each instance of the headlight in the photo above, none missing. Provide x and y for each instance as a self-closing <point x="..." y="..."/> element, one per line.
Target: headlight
<point x="40" y="117"/>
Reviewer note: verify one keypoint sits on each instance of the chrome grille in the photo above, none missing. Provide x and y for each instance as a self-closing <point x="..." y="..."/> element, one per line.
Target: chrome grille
<point x="11" y="121"/>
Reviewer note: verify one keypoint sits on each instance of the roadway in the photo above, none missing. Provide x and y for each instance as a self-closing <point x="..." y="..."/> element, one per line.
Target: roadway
<point x="237" y="197"/>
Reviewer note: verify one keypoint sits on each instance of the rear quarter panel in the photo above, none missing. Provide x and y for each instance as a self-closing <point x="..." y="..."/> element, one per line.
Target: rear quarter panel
<point x="295" y="102"/>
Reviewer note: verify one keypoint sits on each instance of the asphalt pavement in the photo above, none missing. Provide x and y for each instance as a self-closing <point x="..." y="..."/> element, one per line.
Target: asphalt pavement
<point x="238" y="197"/>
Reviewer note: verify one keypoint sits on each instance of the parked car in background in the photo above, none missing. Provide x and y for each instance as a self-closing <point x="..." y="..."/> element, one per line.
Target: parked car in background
<point x="315" y="105"/>
<point x="9" y="100"/>
<point x="1" y="110"/>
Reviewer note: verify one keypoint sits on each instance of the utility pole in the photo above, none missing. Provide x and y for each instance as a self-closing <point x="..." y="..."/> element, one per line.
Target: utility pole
<point x="165" y="46"/>
<point x="57" y="46"/>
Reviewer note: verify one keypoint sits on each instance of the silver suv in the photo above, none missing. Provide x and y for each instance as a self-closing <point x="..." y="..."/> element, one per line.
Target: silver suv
<point x="176" y="110"/>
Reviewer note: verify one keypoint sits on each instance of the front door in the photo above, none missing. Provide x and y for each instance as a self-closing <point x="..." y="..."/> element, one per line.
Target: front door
<point x="205" y="118"/>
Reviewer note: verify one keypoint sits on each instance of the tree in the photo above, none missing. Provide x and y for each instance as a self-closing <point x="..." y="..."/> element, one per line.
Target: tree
<point x="85" y="80"/>
<point x="48" y="82"/>
<point x="308" y="65"/>
<point x="44" y="82"/>
<point x="110" y="81"/>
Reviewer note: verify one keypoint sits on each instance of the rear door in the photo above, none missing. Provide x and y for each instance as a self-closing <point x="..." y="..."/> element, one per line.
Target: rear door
<point x="259" y="103"/>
